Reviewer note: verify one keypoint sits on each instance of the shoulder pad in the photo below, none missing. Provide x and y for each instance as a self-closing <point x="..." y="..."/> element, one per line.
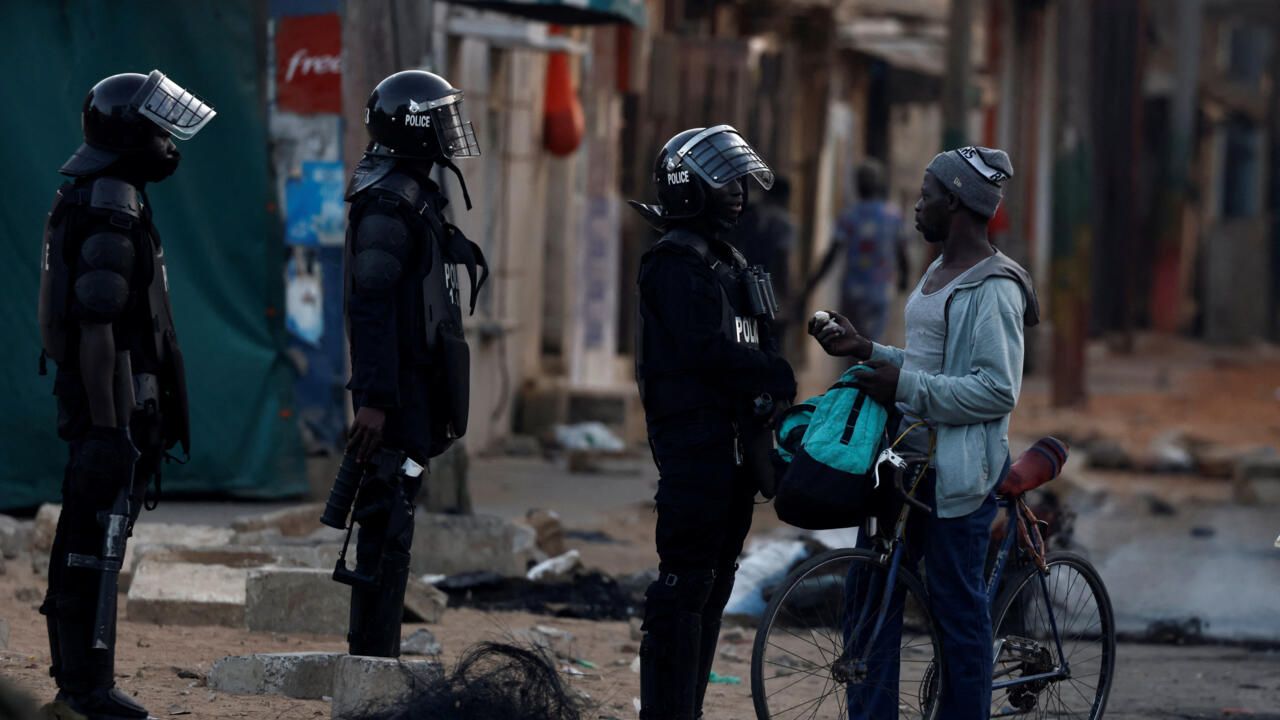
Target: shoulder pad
<point x="405" y="188"/>
<point x="684" y="241"/>
<point x="116" y="196"/>
<point x="368" y="171"/>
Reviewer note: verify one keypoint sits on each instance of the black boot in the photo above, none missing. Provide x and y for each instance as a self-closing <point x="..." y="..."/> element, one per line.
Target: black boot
<point x="669" y="666"/>
<point x="710" y="631"/>
<point x="86" y="677"/>
<point x="377" y="611"/>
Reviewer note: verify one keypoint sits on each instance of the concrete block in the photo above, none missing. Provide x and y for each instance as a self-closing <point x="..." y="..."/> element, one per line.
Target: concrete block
<point x="147" y="536"/>
<point x="300" y="675"/>
<point x="296" y="521"/>
<point x="184" y="593"/>
<point x="46" y="524"/>
<point x="425" y="601"/>
<point x="366" y="685"/>
<point x="15" y="536"/>
<point x="453" y="544"/>
<point x="296" y="600"/>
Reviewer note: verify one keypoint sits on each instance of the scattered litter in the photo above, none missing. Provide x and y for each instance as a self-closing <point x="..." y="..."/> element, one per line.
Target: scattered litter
<point x="635" y="665"/>
<point x="587" y="596"/>
<point x="549" y="529"/>
<point x="186" y="674"/>
<point x="592" y="536"/>
<point x="718" y="679"/>
<point x="1169" y="453"/>
<point x="587" y="664"/>
<point x="836" y="539"/>
<point x="433" y="579"/>
<point x="575" y="672"/>
<point x="588" y="436"/>
<point x="766" y="564"/>
<point x="561" y="567"/>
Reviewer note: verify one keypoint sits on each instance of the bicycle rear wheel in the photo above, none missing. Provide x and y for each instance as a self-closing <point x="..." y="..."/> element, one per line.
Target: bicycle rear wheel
<point x="1072" y="599"/>
<point x="812" y="656"/>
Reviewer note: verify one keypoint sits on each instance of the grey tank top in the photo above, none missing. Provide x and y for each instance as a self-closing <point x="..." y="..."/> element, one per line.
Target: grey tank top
<point x="926" y="335"/>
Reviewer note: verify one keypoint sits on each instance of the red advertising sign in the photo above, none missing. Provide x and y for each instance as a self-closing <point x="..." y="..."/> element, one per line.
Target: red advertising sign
<point x="309" y="63"/>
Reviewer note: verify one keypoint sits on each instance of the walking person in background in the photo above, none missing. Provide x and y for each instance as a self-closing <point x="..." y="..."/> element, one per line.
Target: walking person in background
<point x="961" y="371"/>
<point x="869" y="234"/>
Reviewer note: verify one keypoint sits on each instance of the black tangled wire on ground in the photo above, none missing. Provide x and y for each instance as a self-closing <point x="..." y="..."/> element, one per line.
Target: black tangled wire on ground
<point x="493" y="681"/>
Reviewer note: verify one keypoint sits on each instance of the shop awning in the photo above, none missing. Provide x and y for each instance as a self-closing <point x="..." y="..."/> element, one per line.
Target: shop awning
<point x="568" y="12"/>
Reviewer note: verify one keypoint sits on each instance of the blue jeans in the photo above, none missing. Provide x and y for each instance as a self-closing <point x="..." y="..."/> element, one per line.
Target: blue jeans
<point x="954" y="552"/>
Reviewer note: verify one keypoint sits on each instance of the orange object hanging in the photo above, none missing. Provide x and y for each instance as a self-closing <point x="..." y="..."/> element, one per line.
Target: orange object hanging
<point x="563" y="122"/>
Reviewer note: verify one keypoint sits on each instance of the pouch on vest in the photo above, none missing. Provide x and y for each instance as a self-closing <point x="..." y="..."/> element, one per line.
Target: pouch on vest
<point x="829" y="476"/>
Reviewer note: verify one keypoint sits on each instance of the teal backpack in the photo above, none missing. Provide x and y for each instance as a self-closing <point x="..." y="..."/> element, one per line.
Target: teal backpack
<point x="827" y="448"/>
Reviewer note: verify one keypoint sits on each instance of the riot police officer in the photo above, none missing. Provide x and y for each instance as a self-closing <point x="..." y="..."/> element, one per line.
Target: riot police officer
<point x="106" y="321"/>
<point x="711" y="380"/>
<point x="409" y="359"/>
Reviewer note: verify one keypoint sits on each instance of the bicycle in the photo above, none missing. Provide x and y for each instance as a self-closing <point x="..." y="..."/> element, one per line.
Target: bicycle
<point x="816" y="637"/>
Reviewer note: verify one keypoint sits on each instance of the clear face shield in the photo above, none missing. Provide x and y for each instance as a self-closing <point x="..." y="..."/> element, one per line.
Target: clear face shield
<point x="457" y="136"/>
<point x="174" y="109"/>
<point x="719" y="155"/>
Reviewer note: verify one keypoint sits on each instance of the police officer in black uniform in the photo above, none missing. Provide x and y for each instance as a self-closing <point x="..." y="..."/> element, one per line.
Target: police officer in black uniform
<point x="105" y="320"/>
<point x="712" y="382"/>
<point x="409" y="358"/>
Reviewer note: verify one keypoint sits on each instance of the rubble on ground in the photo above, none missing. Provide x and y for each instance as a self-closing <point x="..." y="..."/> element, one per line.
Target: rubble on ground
<point x="300" y="675"/>
<point x="421" y="642"/>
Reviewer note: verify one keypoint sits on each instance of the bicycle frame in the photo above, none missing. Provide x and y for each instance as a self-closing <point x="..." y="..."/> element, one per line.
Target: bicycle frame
<point x="891" y="551"/>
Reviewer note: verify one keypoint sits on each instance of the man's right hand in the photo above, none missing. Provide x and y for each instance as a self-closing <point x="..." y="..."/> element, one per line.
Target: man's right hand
<point x="366" y="432"/>
<point x="103" y="463"/>
<point x="839" y="338"/>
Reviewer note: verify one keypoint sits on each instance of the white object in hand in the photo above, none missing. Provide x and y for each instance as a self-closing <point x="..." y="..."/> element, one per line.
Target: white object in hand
<point x="822" y="316"/>
<point x="834" y="326"/>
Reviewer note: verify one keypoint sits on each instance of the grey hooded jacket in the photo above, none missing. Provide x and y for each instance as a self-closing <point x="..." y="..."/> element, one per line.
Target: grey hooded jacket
<point x="970" y="401"/>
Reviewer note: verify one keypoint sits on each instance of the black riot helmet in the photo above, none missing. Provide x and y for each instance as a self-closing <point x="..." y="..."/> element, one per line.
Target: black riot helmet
<point x="418" y="115"/>
<point x="122" y="112"/>
<point x="694" y="161"/>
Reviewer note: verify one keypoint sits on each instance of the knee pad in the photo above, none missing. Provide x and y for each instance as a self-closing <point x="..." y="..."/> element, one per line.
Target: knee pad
<point x="677" y="592"/>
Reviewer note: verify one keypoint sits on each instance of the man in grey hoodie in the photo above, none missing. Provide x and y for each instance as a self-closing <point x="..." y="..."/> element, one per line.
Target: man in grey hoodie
<point x="961" y="372"/>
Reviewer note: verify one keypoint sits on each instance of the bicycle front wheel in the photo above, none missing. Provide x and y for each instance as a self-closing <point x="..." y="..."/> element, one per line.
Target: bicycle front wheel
<point x="817" y="653"/>
<point x="1055" y="640"/>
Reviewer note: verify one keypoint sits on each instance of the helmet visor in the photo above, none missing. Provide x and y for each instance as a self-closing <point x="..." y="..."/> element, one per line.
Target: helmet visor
<point x="719" y="155"/>
<point x="174" y="109"/>
<point x="457" y="136"/>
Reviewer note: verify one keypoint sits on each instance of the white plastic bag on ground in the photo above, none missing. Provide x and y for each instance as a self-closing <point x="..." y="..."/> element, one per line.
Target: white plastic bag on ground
<point x="766" y="564"/>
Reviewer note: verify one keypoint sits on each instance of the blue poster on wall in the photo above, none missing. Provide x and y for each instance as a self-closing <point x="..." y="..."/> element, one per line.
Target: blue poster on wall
<point x="314" y="209"/>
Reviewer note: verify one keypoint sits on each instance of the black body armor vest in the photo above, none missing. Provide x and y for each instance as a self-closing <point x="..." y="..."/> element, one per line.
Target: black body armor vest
<point x="124" y="208"/>
<point x="444" y="247"/>
<point x="741" y="319"/>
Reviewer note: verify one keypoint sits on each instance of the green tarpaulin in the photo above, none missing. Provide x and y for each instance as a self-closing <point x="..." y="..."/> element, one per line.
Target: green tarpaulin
<point x="216" y="216"/>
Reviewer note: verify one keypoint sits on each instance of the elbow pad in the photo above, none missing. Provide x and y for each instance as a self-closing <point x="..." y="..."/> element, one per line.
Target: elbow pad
<point x="102" y="288"/>
<point x="381" y="246"/>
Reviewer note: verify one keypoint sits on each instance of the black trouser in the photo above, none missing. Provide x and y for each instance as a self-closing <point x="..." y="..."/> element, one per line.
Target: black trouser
<point x="71" y="601"/>
<point x="704" y="505"/>
<point x="384" y="512"/>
